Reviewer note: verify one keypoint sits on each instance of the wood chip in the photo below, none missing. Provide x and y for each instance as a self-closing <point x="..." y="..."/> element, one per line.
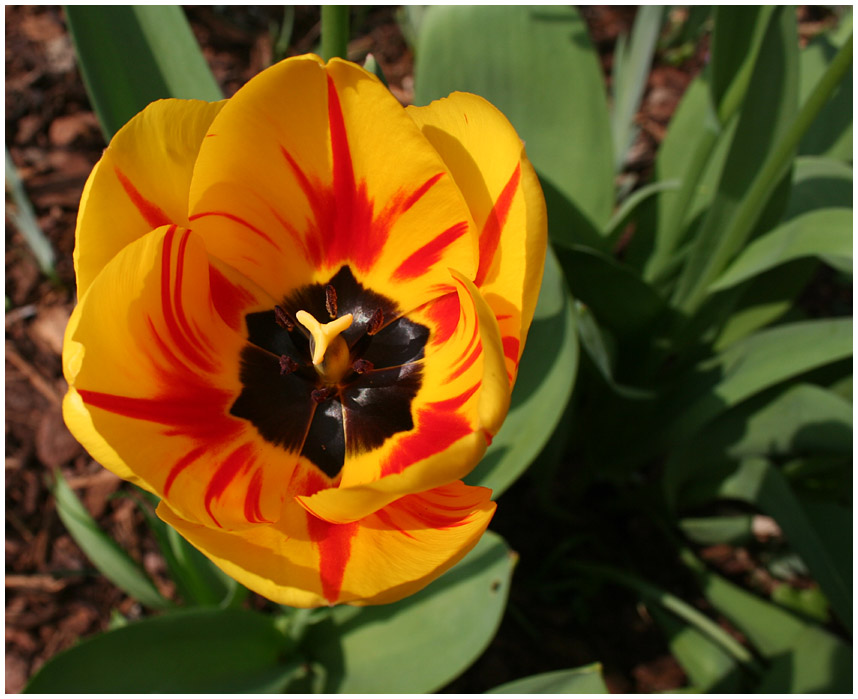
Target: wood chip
<point x="42" y="583"/>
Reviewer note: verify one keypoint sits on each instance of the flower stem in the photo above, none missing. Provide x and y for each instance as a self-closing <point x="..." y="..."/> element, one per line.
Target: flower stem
<point x="335" y="31"/>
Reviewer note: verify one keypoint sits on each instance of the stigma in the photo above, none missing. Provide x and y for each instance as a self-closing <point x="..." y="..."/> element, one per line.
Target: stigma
<point x="331" y="357"/>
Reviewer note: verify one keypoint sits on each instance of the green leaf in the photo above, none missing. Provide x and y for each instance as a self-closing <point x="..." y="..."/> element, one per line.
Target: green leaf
<point x="756" y="363"/>
<point x="810" y="601"/>
<point x="773" y="632"/>
<point x="708" y="666"/>
<point x="543" y="387"/>
<point x="595" y="345"/>
<point x="684" y="155"/>
<point x="759" y="158"/>
<point x="419" y="644"/>
<point x="105" y="554"/>
<point x="818" y="663"/>
<point x="630" y="75"/>
<point x="734" y="529"/>
<point x="629" y="206"/>
<point x="580" y="680"/>
<point x="197" y="650"/>
<point x="766" y="298"/>
<point x="617" y="296"/>
<point x="800" y="419"/>
<point x="736" y="42"/>
<point x="824" y="233"/>
<point x="133" y="55"/>
<point x="523" y="59"/>
<point x="24" y="219"/>
<point x="758" y="482"/>
<point x="831" y="132"/>
<point x="785" y="420"/>
<point x="819" y="183"/>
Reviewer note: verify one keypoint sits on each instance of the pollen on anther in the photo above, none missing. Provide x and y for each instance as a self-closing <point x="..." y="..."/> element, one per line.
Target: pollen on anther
<point x="362" y="366"/>
<point x="287" y="365"/>
<point x="375" y="322"/>
<point x="320" y="395"/>
<point x="282" y="319"/>
<point x="331" y="300"/>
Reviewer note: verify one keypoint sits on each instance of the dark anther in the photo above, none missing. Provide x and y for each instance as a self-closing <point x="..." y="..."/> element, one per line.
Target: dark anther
<point x="287" y="365"/>
<point x="361" y="366"/>
<point x="331" y="300"/>
<point x="283" y="319"/>
<point x="320" y="395"/>
<point x="375" y="322"/>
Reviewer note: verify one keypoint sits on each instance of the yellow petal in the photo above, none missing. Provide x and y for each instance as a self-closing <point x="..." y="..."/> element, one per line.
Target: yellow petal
<point x="487" y="160"/>
<point x="152" y="366"/>
<point x="303" y="562"/>
<point x="140" y="183"/>
<point x="343" y="178"/>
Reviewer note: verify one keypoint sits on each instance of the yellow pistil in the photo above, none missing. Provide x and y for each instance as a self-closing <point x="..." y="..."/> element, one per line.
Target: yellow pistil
<point x="330" y="351"/>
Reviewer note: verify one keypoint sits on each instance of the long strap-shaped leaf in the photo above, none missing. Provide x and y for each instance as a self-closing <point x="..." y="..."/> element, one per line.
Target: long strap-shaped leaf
<point x="133" y="55"/>
<point x="697" y="277"/>
<point x="116" y="565"/>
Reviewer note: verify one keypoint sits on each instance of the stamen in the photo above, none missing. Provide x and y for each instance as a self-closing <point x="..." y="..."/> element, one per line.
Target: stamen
<point x="320" y="395"/>
<point x="331" y="300"/>
<point x="281" y="316"/>
<point x="287" y="365"/>
<point x="361" y="366"/>
<point x="375" y="322"/>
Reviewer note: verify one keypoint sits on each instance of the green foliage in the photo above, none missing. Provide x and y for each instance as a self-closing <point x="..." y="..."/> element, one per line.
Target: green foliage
<point x="581" y="680"/>
<point x="133" y="55"/>
<point x="709" y="398"/>
<point x="104" y="552"/>
<point x="698" y="357"/>
<point x="193" y="650"/>
<point x="516" y="57"/>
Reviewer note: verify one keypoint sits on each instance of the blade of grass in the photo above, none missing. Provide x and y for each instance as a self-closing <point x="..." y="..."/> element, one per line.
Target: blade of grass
<point x="630" y="74"/>
<point x="680" y="608"/>
<point x="689" y="296"/>
<point x="24" y="219"/>
<point x="116" y="565"/>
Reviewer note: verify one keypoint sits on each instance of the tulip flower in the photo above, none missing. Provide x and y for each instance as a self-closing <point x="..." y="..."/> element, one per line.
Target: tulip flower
<point x="301" y="313"/>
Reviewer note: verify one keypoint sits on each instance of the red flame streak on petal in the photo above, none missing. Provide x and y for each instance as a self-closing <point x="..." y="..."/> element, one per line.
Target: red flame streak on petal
<point x="420" y="261"/>
<point x="425" y="511"/>
<point x="202" y="343"/>
<point x="384" y="517"/>
<point x="510" y="348"/>
<point x="152" y="214"/>
<point x="453" y="404"/>
<point x="444" y="315"/>
<point x="418" y="194"/>
<point x="252" y="506"/>
<point x="494" y="224"/>
<point x="197" y="412"/>
<point x="229" y="299"/>
<point x="226" y="473"/>
<point x="471" y="358"/>
<point x="182" y="338"/>
<point x="180" y="466"/>
<point x="437" y="429"/>
<point x="241" y="222"/>
<point x="352" y="233"/>
<point x="334" y="542"/>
